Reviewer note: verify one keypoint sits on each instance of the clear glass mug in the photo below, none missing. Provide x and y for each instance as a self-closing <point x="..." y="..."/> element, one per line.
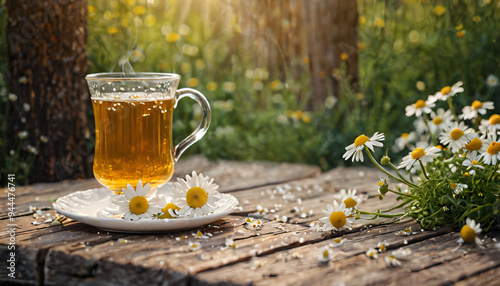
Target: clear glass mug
<point x="133" y="126"/>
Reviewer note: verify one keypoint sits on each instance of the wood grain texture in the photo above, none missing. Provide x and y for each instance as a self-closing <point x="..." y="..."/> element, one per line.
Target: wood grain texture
<point x="278" y="253"/>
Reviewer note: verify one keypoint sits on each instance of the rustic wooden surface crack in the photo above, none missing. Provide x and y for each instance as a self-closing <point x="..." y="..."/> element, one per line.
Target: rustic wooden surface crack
<point x="279" y="253"/>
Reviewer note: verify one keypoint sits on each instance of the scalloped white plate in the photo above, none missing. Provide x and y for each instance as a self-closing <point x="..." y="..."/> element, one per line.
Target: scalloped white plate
<point x="89" y="207"/>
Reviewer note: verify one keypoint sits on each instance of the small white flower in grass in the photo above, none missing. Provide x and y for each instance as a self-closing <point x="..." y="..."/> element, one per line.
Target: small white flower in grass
<point x="420" y="107"/>
<point x="492" y="80"/>
<point x="457" y="136"/>
<point x="349" y="197"/>
<point x="491" y="125"/>
<point x="440" y="120"/>
<point x="372" y="253"/>
<point x="337" y="217"/>
<point x="23" y="80"/>
<point x="355" y="150"/>
<point x="325" y="254"/>
<point x="196" y="196"/>
<point x="12" y="97"/>
<point x="475" y="109"/>
<point x="458" y="188"/>
<point x="472" y="163"/>
<point x="419" y="154"/>
<point x="492" y="154"/>
<point x="193" y="246"/>
<point x="448" y="91"/>
<point x="138" y="203"/>
<point x="469" y="232"/>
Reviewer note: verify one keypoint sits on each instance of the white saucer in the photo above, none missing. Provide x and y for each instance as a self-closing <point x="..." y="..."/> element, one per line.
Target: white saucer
<point x="88" y="207"/>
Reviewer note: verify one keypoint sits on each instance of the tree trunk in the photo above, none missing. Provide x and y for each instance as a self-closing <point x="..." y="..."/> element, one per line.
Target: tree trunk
<point x="47" y="68"/>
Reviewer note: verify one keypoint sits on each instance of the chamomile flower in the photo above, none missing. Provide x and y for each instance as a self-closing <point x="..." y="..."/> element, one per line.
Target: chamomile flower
<point x="349" y="197"/>
<point x="419" y="154"/>
<point x="391" y="261"/>
<point x="404" y="140"/>
<point x="355" y="150"/>
<point x="325" y="254"/>
<point x="457" y="136"/>
<point x="230" y="243"/>
<point x="458" y="188"/>
<point x="492" y="125"/>
<point x="382" y="246"/>
<point x="420" y="107"/>
<point x="474" y="163"/>
<point x="492" y="154"/>
<point x="372" y="253"/>
<point x="476" y="147"/>
<point x="337" y="217"/>
<point x="469" y="232"/>
<point x="492" y="80"/>
<point x="196" y="196"/>
<point x="168" y="208"/>
<point x="440" y="120"/>
<point x="193" y="246"/>
<point x="139" y="203"/>
<point x="448" y="91"/>
<point x="475" y="109"/>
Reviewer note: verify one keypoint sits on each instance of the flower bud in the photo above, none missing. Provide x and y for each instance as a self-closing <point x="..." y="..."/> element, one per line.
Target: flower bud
<point x="385" y="160"/>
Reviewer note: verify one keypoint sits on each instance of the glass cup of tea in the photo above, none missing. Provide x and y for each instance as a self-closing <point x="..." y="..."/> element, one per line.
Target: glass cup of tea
<point x="133" y="127"/>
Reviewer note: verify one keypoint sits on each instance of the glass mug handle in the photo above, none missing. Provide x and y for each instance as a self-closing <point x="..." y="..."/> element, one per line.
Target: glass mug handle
<point x="204" y="122"/>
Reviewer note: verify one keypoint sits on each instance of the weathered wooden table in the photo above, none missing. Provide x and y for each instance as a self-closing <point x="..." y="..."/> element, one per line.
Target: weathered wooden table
<point x="284" y="251"/>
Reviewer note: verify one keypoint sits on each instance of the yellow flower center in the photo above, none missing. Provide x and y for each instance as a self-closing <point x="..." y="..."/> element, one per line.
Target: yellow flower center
<point x="196" y="197"/>
<point x="382" y="248"/>
<point x="445" y="90"/>
<point x="350" y="202"/>
<point x="439" y="147"/>
<point x="467" y="234"/>
<point x="420" y="103"/>
<point x="456" y="134"/>
<point x="494" y="148"/>
<point x="169" y="206"/>
<point x="453" y="186"/>
<point x="361" y="140"/>
<point x="438" y="120"/>
<point x="474" y="162"/>
<point x="337" y="240"/>
<point x="477" y="104"/>
<point x="404" y="135"/>
<point x="495" y="119"/>
<point x="474" y="145"/>
<point x="380" y="184"/>
<point x="325" y="253"/>
<point x="138" y="205"/>
<point x="417" y="153"/>
<point x="338" y="219"/>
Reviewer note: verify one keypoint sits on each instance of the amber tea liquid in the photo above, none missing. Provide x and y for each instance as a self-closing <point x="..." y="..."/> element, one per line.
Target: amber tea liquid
<point x="133" y="141"/>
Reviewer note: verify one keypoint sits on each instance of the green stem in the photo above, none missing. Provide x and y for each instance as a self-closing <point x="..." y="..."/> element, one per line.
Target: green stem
<point x="450" y="104"/>
<point x="402" y="180"/>
<point x="423" y="170"/>
<point x="396" y="207"/>
<point x="466" y="214"/>
<point x="381" y="215"/>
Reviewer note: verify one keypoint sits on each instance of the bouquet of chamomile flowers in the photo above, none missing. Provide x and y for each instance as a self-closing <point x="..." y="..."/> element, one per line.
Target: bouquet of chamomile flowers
<point x="452" y="170"/>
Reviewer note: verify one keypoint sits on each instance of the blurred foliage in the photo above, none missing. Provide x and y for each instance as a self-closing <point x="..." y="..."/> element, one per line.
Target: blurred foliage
<point x="407" y="50"/>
